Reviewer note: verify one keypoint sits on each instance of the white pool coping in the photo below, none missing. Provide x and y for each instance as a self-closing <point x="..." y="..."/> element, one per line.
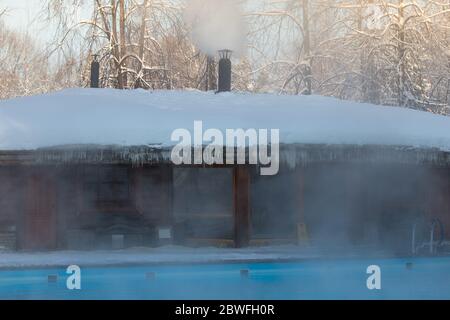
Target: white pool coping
<point x="163" y="255"/>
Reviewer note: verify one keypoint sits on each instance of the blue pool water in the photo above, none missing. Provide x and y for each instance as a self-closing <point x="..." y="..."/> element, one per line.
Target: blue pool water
<point x="429" y="278"/>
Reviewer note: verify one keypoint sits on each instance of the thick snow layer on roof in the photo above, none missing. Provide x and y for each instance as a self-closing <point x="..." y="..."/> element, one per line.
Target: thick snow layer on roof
<point x="138" y="117"/>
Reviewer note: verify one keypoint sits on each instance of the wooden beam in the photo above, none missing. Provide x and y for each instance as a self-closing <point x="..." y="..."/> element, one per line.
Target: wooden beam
<point x="136" y="188"/>
<point x="302" y="230"/>
<point x="447" y="202"/>
<point x="440" y="198"/>
<point x="241" y="196"/>
<point x="168" y="178"/>
<point x="437" y="197"/>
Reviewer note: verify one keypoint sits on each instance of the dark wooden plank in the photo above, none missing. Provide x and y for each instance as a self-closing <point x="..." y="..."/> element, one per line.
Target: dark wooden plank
<point x="440" y="198"/>
<point x="241" y="195"/>
<point x="39" y="231"/>
<point x="302" y="228"/>
<point x="170" y="194"/>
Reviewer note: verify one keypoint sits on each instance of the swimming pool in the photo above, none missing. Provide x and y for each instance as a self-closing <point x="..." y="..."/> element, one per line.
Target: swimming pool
<point x="426" y="278"/>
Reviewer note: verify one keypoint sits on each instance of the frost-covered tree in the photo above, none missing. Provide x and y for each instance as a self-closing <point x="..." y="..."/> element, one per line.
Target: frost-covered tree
<point x="283" y="46"/>
<point x="407" y="38"/>
<point x="394" y="52"/>
<point x="139" y="43"/>
<point x="24" y="69"/>
<point x="388" y="52"/>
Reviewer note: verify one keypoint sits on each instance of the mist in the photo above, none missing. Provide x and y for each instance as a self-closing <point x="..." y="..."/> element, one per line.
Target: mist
<point x="216" y="25"/>
<point x="363" y="209"/>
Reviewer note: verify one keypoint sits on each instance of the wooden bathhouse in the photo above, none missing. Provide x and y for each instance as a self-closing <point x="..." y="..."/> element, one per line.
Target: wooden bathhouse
<point x="86" y="169"/>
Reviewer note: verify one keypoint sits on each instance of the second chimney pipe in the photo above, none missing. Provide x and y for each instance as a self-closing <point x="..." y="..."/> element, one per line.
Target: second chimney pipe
<point x="224" y="71"/>
<point x="95" y="73"/>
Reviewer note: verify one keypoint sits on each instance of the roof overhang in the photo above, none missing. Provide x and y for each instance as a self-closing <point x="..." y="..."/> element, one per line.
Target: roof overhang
<point x="292" y="155"/>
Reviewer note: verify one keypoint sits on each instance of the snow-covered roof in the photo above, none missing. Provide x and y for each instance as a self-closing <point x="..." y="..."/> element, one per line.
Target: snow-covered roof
<point x="138" y="117"/>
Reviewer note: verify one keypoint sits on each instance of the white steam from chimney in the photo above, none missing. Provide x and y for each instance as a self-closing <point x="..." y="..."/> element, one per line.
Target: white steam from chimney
<point x="216" y="25"/>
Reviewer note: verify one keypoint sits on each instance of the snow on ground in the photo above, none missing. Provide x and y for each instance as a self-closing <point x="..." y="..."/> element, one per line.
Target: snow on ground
<point x="163" y="255"/>
<point x="184" y="255"/>
<point x="138" y="117"/>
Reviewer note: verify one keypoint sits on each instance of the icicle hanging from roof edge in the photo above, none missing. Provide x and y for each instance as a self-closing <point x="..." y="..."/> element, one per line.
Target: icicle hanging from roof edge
<point x="142" y="156"/>
<point x="293" y="157"/>
<point x="288" y="156"/>
<point x="166" y="154"/>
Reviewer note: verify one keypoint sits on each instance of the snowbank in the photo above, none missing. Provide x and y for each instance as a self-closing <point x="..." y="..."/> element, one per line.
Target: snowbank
<point x="163" y="255"/>
<point x="138" y="117"/>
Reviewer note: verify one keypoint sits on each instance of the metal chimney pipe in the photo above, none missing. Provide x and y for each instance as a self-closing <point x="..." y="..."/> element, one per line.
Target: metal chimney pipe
<point x="95" y="72"/>
<point x="224" y="71"/>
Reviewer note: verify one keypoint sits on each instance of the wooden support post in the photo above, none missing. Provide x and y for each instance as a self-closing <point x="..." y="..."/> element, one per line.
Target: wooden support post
<point x="302" y="232"/>
<point x="241" y="195"/>
<point x="137" y="188"/>
<point x="447" y="202"/>
<point x="436" y="197"/>
<point x="170" y="196"/>
<point x="440" y="198"/>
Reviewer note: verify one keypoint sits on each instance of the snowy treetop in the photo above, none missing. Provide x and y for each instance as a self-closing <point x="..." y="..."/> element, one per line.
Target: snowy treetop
<point x="138" y="117"/>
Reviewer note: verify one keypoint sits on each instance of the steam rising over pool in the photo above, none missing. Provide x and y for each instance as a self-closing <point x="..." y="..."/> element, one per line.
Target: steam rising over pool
<point x="419" y="278"/>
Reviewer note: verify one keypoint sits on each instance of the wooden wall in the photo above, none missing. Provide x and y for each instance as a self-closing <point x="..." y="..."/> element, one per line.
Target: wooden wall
<point x="11" y="206"/>
<point x="277" y="206"/>
<point x="242" y="203"/>
<point x="28" y="199"/>
<point x="203" y="205"/>
<point x="48" y="205"/>
<point x="10" y="199"/>
<point x="373" y="205"/>
<point x="135" y="198"/>
<point x="152" y="191"/>
<point x="438" y="197"/>
<point x="360" y="204"/>
<point x="39" y="222"/>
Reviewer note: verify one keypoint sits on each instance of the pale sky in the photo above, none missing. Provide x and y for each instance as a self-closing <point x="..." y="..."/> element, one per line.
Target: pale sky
<point x="21" y="13"/>
<point x="21" y="16"/>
